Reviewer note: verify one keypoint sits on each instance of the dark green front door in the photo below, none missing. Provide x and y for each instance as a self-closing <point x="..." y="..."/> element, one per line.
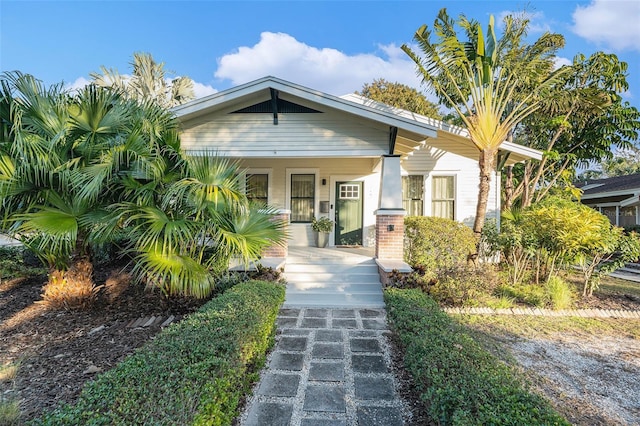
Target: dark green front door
<point x="348" y="213"/>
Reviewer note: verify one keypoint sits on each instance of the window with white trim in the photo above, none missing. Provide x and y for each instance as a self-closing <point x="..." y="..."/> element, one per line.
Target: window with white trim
<point x="303" y="197"/>
<point x="257" y="188"/>
<point x="413" y="194"/>
<point x="443" y="196"/>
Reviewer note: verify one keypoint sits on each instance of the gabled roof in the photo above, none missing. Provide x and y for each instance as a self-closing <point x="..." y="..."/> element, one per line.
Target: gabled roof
<point x="617" y="185"/>
<point x="414" y="130"/>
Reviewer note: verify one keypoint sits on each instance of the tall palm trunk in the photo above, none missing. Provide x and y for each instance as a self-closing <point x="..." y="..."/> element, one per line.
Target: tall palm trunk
<point x="487" y="164"/>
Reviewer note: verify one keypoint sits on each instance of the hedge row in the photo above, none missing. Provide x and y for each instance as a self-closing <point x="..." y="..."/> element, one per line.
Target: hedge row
<point x="193" y="372"/>
<point x="460" y="382"/>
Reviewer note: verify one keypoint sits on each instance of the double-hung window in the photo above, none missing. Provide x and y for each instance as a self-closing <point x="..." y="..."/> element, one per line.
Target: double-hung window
<point x="443" y="196"/>
<point x="258" y="188"/>
<point x="303" y="197"/>
<point x="413" y="194"/>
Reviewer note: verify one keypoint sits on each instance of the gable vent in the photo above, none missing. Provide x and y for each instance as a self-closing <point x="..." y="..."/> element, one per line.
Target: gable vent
<point x="284" y="107"/>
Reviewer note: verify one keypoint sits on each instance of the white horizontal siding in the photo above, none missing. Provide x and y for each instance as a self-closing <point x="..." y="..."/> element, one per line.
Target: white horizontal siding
<point x="433" y="162"/>
<point x="296" y="135"/>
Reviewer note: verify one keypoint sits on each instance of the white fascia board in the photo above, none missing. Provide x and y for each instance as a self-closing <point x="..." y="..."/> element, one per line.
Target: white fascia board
<point x="218" y="98"/>
<point x="631" y="201"/>
<point x="609" y="194"/>
<point x="592" y="185"/>
<point x="306" y="93"/>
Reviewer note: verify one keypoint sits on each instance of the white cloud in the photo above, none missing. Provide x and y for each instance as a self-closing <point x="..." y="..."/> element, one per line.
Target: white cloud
<point x="329" y="70"/>
<point x="612" y="23"/>
<point x="77" y="85"/>
<point x="560" y="61"/>
<point x="202" y="90"/>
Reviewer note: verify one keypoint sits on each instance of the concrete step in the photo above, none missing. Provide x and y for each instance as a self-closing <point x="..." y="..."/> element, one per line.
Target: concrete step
<point x="327" y="288"/>
<point x="349" y="260"/>
<point x="361" y="268"/>
<point x="321" y="300"/>
<point x="333" y="278"/>
<point x="326" y="280"/>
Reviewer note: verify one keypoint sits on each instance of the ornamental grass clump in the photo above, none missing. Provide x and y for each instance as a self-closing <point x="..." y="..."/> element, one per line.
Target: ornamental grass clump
<point x="71" y="289"/>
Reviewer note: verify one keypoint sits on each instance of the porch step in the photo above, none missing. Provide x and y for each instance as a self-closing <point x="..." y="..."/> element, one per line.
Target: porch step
<point x="332" y="280"/>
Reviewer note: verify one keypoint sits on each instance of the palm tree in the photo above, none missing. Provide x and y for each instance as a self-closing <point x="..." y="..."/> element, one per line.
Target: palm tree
<point x="195" y="225"/>
<point x="82" y="169"/>
<point x="148" y="82"/>
<point x="491" y="84"/>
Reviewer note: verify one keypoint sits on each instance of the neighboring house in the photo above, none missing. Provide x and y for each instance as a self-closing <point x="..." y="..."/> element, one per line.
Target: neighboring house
<point x="617" y="197"/>
<point x="359" y="162"/>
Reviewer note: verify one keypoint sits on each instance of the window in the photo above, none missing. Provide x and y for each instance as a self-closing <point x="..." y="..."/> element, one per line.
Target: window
<point x="349" y="191"/>
<point x="412" y="194"/>
<point x="443" y="197"/>
<point x="258" y="188"/>
<point x="302" y="197"/>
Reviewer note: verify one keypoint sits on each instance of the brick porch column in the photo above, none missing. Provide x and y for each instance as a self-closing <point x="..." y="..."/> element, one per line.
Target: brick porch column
<point x="390" y="235"/>
<point x="279" y="250"/>
<point x="390" y="214"/>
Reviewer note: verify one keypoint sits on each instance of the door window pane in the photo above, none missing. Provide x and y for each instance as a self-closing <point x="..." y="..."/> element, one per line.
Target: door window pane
<point x="443" y="197"/>
<point x="258" y="188"/>
<point x="412" y="194"/>
<point x="303" y="189"/>
<point x="349" y="191"/>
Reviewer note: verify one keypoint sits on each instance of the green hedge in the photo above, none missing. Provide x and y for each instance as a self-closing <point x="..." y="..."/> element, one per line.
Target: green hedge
<point x="436" y="243"/>
<point x="460" y="382"/>
<point x="193" y="372"/>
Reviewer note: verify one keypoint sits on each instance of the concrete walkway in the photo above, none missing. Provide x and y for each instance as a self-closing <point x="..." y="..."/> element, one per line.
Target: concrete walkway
<point x="329" y="367"/>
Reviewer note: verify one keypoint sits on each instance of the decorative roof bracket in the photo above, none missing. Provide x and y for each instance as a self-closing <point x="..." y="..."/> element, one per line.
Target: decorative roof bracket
<point x="274" y="105"/>
<point x="393" y="134"/>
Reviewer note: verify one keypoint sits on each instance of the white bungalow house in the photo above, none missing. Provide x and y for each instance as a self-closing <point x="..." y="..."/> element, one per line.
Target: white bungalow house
<point x="361" y="163"/>
<point x="617" y="197"/>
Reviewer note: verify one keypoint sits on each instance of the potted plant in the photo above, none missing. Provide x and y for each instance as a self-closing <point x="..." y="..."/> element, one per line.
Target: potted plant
<point x="322" y="227"/>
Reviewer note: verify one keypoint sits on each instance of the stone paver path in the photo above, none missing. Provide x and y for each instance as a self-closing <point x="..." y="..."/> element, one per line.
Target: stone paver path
<point x="329" y="367"/>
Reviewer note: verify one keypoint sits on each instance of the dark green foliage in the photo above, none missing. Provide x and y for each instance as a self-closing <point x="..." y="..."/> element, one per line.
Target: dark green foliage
<point x="194" y="372"/>
<point x="436" y="243"/>
<point x="461" y="383"/>
<point x="14" y="264"/>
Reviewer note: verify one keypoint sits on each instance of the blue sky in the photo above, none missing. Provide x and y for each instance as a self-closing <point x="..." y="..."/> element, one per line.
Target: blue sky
<point x="333" y="46"/>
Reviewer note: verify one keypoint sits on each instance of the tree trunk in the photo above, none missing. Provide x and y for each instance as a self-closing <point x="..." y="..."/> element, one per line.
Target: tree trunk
<point x="508" y="189"/>
<point x="487" y="164"/>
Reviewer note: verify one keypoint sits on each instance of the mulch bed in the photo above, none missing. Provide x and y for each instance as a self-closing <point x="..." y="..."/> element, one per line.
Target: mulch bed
<point x="60" y="350"/>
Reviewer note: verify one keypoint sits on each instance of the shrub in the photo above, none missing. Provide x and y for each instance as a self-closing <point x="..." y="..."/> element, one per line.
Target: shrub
<point x="462" y="383"/>
<point x="13" y="264"/>
<point x="71" y="289"/>
<point x="463" y="285"/>
<point x="529" y="294"/>
<point x="437" y="243"/>
<point x="193" y="372"/>
<point x="559" y="293"/>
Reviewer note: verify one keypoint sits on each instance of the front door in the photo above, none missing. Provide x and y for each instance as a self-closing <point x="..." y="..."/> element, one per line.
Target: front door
<point x="348" y="213"/>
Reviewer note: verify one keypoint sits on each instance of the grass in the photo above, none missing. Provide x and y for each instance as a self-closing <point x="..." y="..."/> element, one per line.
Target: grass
<point x="533" y="326"/>
<point x="9" y="409"/>
<point x="613" y="285"/>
